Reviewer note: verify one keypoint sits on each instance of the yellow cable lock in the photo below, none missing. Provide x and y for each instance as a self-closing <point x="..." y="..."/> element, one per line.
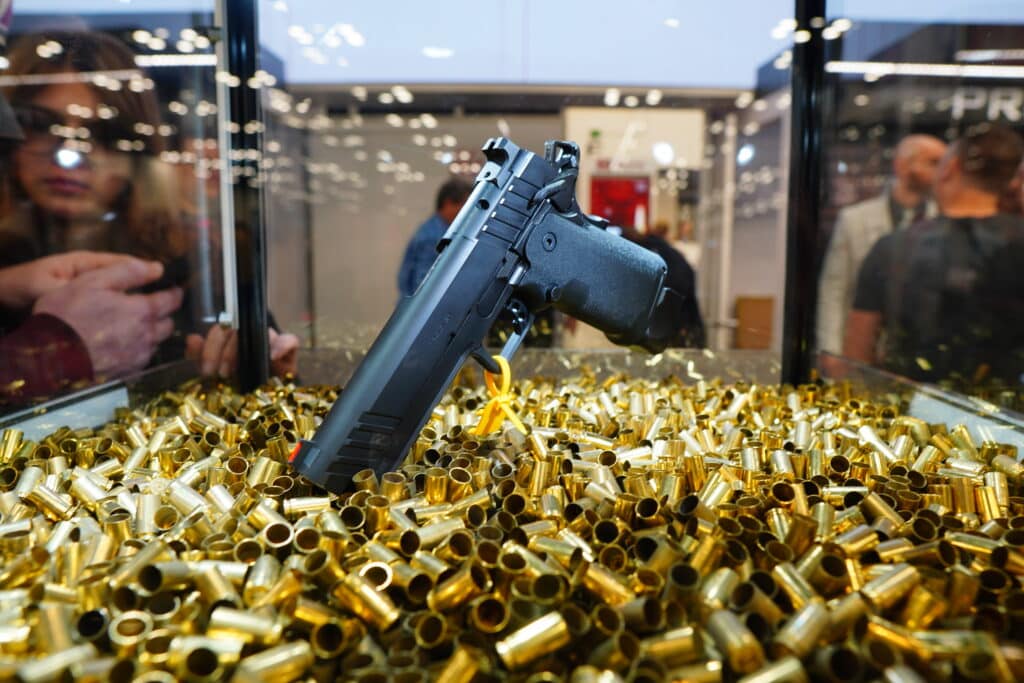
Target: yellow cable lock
<point x="500" y="405"/>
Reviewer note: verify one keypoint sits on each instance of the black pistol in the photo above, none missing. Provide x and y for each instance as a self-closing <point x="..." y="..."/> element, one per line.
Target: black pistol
<point x="520" y="243"/>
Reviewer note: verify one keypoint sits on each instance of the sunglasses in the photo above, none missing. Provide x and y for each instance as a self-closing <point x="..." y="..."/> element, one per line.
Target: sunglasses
<point x="43" y="125"/>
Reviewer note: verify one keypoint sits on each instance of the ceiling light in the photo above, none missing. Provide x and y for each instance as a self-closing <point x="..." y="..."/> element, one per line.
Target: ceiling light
<point x="402" y="94"/>
<point x="653" y="98"/>
<point x="150" y="61"/>
<point x="842" y="24"/>
<point x="385" y="98"/>
<point x="744" y="99"/>
<point x="802" y="36"/>
<point x="663" y="153"/>
<point x="434" y="52"/>
<point x="745" y="155"/>
<point x="141" y="36"/>
<point x="879" y="69"/>
<point x="351" y="35"/>
<point x="611" y="97"/>
<point x="1016" y="55"/>
<point x="631" y="100"/>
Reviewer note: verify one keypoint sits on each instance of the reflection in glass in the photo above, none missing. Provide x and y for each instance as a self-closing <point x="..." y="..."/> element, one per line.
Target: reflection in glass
<point x="921" y="268"/>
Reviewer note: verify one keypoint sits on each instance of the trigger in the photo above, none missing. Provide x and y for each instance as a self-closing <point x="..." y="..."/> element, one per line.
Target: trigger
<point x="488" y="363"/>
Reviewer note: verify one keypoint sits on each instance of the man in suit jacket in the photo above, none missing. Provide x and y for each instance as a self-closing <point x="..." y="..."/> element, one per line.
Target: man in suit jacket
<point x="860" y="225"/>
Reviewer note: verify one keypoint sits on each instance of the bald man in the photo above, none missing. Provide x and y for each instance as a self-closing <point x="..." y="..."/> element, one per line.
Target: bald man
<point x="905" y="201"/>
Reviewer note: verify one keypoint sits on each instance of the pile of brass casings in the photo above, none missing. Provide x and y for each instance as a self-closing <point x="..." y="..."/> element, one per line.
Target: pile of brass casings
<point x="646" y="531"/>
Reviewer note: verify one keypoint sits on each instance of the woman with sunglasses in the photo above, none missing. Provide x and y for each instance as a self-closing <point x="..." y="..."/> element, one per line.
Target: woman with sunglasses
<point x="88" y="177"/>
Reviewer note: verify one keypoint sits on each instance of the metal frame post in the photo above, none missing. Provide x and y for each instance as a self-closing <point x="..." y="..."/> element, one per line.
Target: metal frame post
<point x="805" y="192"/>
<point x="241" y="39"/>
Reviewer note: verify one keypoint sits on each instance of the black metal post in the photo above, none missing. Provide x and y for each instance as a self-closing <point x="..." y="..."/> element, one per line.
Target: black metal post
<point x="805" y="192"/>
<point x="242" y="42"/>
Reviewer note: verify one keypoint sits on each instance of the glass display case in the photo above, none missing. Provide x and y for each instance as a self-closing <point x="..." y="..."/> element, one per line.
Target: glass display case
<point x="825" y="182"/>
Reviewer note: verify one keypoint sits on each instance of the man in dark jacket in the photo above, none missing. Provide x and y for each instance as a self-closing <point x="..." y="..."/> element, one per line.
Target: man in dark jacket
<point x="948" y="292"/>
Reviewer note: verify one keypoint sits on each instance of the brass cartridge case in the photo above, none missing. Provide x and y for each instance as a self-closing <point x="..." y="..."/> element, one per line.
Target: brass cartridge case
<point x="794" y="585"/>
<point x="15" y="639"/>
<point x="923" y="608"/>
<point x="748" y="597"/>
<point x="536" y="639"/>
<point x="857" y="540"/>
<point x="49" y="502"/>
<point x="430" y="565"/>
<point x="616" y="653"/>
<point x="53" y="626"/>
<point x="357" y="595"/>
<point x="643" y="615"/>
<point x="674" y="648"/>
<point x="889" y="588"/>
<point x="216" y="590"/>
<point x="801" y="533"/>
<point x="844" y="613"/>
<point x="488" y="614"/>
<point x="323" y="569"/>
<point x="897" y="638"/>
<point x="435" y="533"/>
<point x="735" y="641"/>
<point x="784" y="670"/>
<point x="462" y="666"/>
<point x="128" y="631"/>
<point x="246" y="626"/>
<point x="328" y="640"/>
<point x="824" y="515"/>
<point x="469" y="581"/>
<point x="51" y="666"/>
<point x="802" y="632"/>
<point x="435" y="488"/>
<point x="606" y="585"/>
<point x="415" y="585"/>
<point x="717" y="588"/>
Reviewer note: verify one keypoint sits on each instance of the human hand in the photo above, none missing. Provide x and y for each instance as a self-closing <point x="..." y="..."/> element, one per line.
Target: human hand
<point x="23" y="284"/>
<point x="217" y="352"/>
<point x="120" y="330"/>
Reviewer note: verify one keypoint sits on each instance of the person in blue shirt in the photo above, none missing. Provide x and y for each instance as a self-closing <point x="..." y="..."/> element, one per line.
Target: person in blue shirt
<point x="422" y="248"/>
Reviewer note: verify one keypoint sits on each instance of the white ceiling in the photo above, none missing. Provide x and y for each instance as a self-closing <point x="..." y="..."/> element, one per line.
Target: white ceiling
<point x="664" y="43"/>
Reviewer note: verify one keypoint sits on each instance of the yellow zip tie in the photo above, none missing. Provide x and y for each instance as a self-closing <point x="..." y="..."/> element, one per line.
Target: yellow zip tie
<point x="500" y="405"/>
